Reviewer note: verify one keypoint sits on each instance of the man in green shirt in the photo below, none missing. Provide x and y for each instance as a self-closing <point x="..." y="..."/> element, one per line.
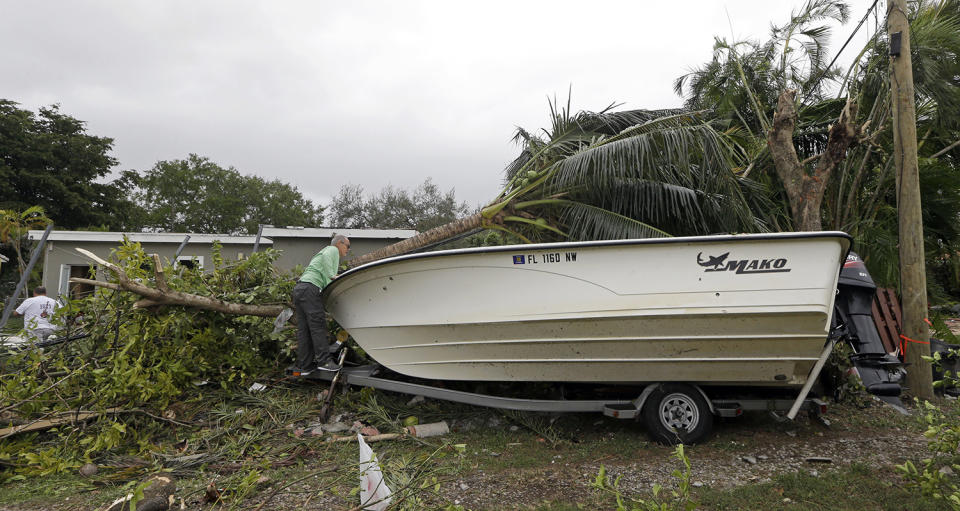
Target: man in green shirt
<point x="313" y="346"/>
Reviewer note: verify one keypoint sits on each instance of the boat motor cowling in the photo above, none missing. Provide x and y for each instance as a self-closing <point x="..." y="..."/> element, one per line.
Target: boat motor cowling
<point x="880" y="372"/>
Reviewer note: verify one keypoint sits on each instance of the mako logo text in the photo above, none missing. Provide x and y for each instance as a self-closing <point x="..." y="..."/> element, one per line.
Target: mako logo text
<point x="741" y="266"/>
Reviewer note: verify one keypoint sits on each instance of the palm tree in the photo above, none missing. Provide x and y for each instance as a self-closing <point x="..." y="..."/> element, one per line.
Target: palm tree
<point x="744" y="86"/>
<point x="611" y="175"/>
<point x="740" y="85"/>
<point x="744" y="79"/>
<point x="866" y="201"/>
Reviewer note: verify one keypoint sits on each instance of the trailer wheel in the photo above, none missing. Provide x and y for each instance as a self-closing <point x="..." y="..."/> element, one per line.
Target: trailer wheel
<point x="676" y="413"/>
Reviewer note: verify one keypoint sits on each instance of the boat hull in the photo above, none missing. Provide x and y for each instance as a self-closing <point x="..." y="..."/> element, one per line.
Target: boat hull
<point x="741" y="310"/>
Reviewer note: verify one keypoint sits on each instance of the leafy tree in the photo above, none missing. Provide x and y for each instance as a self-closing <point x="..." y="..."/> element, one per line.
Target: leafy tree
<point x="49" y="160"/>
<point x="393" y="208"/>
<point x="198" y="195"/>
<point x="14" y="226"/>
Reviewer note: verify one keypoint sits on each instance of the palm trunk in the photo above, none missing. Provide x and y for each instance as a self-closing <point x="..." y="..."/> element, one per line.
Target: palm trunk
<point x="435" y="235"/>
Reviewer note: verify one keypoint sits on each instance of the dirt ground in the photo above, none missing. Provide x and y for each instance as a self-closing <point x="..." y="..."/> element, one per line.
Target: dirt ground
<point x="743" y="451"/>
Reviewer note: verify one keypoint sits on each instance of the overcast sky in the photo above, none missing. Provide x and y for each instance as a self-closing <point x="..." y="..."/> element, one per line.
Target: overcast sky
<point x="320" y="94"/>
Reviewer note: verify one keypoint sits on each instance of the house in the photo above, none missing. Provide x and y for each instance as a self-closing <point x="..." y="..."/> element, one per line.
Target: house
<point x="297" y="245"/>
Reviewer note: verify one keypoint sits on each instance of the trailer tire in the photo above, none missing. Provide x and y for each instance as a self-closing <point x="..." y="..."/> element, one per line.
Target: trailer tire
<point x="677" y="413"/>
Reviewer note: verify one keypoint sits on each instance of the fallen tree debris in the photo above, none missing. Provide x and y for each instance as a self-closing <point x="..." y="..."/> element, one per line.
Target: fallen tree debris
<point x="64" y="418"/>
<point x="419" y="431"/>
<point x="163" y="295"/>
<point x="158" y="492"/>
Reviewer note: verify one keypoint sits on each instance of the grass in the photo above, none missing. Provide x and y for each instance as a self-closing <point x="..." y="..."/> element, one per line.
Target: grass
<point x="57" y="490"/>
<point x="854" y="487"/>
<point x="14" y="324"/>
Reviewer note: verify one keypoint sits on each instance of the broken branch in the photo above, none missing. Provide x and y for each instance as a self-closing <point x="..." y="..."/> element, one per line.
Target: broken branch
<point x="40" y="425"/>
<point x="167" y="296"/>
<point x="158" y="272"/>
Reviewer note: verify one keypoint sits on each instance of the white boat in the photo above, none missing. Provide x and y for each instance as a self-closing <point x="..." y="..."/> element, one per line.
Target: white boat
<point x="712" y="310"/>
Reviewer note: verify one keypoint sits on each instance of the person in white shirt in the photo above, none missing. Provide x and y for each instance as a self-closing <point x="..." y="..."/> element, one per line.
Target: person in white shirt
<point x="37" y="313"/>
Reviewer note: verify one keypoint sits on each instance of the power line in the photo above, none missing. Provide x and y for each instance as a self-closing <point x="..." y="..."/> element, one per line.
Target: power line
<point x="832" y="62"/>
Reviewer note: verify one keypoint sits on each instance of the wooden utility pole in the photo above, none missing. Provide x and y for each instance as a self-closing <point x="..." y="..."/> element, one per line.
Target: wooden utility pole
<point x="913" y="279"/>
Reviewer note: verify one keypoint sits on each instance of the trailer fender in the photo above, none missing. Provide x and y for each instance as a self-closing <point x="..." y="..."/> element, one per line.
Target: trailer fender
<point x="642" y="398"/>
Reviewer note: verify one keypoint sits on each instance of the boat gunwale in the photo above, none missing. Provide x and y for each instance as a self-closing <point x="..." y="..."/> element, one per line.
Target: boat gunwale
<point x="595" y="243"/>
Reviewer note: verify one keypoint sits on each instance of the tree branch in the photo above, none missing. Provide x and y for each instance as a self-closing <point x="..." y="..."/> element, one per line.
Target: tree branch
<point x="158" y="272"/>
<point x="169" y="297"/>
<point x="945" y="150"/>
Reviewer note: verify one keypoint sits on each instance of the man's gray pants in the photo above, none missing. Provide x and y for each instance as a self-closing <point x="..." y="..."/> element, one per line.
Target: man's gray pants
<point x="312" y="342"/>
<point x="42" y="333"/>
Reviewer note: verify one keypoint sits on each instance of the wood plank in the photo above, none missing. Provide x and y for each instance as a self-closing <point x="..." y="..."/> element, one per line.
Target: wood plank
<point x="886" y="315"/>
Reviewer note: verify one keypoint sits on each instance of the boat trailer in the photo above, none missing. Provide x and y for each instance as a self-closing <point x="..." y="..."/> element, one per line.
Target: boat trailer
<point x="671" y="412"/>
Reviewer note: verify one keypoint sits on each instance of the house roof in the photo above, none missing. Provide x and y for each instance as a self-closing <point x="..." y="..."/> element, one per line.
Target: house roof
<point x="148" y="237"/>
<point x="268" y="233"/>
<point x="328" y="232"/>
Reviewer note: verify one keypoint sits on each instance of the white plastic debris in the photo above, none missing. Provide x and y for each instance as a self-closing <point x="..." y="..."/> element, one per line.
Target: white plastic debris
<point x="374" y="493"/>
<point x="282" y="319"/>
<point x="257" y="387"/>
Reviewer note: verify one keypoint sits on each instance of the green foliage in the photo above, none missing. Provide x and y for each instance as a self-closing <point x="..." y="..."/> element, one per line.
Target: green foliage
<point x="15" y="225"/>
<point x="145" y="359"/>
<point x="422" y="209"/>
<point x="679" y="498"/>
<point x="198" y="195"/>
<point x="627" y="174"/>
<point x="840" y="382"/>
<point x="741" y="84"/>
<point x="48" y="159"/>
<point x="415" y="480"/>
<point x="942" y="425"/>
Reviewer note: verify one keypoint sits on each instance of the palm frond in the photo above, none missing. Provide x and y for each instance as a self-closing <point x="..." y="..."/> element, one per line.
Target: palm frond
<point x="587" y="222"/>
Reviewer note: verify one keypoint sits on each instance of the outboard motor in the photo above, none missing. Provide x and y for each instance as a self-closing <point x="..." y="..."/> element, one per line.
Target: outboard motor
<point x="880" y="372"/>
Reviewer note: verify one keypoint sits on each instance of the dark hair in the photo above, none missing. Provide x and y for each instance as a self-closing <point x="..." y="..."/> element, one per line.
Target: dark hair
<point x="40" y="290"/>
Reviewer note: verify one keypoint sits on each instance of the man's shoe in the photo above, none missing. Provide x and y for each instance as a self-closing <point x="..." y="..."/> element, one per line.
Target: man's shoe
<point x="335" y="347"/>
<point x="304" y="371"/>
<point x="329" y="365"/>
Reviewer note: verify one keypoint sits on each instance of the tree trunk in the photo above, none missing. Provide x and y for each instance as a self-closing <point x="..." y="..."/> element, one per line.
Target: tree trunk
<point x="435" y="235"/>
<point x="805" y="190"/>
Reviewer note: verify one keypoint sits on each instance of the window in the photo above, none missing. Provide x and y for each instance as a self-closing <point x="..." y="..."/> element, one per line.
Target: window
<point x="191" y="261"/>
<point x="71" y="290"/>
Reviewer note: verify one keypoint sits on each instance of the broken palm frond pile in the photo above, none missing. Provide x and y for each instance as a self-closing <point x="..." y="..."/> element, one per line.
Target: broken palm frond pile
<point x="118" y="387"/>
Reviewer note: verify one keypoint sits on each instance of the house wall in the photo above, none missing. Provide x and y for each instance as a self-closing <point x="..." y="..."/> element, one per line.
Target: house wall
<point x="299" y="251"/>
<point x="59" y="253"/>
<point x="296" y="245"/>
